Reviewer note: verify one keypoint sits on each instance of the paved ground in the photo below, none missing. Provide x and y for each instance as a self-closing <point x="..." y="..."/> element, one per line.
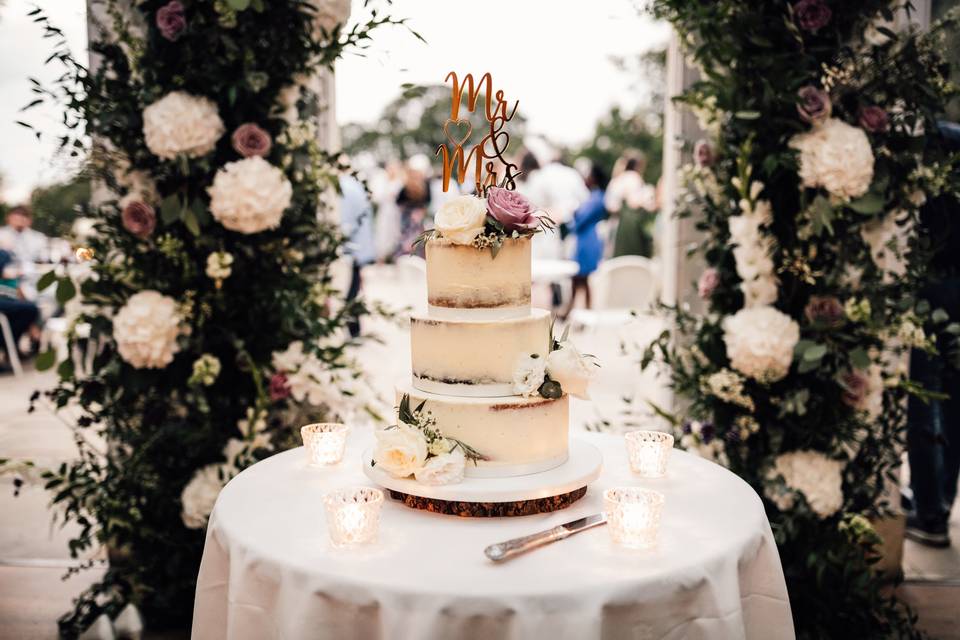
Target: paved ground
<point x="33" y="552"/>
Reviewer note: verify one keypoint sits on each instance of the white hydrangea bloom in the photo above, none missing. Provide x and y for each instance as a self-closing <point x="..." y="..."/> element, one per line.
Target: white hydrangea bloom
<point x="249" y="195"/>
<point x="181" y="124"/>
<point x="146" y="329"/>
<point x="201" y="493"/>
<point x="760" y="342"/>
<point x="837" y="157"/>
<point x="814" y="475"/>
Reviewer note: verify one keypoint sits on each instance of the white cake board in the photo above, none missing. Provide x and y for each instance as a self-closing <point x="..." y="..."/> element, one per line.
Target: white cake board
<point x="581" y="468"/>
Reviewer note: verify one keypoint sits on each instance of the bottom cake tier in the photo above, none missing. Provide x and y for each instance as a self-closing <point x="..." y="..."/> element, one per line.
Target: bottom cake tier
<point x="517" y="435"/>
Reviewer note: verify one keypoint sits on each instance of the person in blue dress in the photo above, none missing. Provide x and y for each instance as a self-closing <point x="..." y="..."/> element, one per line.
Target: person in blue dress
<point x="589" y="245"/>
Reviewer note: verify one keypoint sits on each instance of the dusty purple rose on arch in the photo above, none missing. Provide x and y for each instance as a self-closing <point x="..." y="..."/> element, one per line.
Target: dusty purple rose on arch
<point x="171" y="20"/>
<point x="703" y="154"/>
<point x="250" y="140"/>
<point x="825" y="310"/>
<point x="512" y="210"/>
<point x="139" y="219"/>
<point x="874" y="119"/>
<point x="812" y="15"/>
<point x="814" y="106"/>
<point x="708" y="282"/>
<point x="279" y="387"/>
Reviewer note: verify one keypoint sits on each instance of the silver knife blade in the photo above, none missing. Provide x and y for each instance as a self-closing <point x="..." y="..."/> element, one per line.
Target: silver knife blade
<point x="510" y="548"/>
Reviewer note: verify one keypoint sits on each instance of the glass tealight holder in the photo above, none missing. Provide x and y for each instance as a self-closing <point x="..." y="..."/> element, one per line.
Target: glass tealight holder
<point x="353" y="516"/>
<point x="649" y="452"/>
<point x="633" y="516"/>
<point x="324" y="442"/>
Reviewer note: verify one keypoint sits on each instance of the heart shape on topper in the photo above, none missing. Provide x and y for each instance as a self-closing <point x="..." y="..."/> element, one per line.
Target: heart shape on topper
<point x="459" y="124"/>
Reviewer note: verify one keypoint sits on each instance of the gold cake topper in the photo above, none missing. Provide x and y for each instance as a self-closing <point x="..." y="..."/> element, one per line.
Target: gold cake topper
<point x="489" y="166"/>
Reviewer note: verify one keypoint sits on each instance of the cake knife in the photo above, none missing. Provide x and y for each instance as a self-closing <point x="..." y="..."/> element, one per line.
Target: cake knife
<point x="506" y="550"/>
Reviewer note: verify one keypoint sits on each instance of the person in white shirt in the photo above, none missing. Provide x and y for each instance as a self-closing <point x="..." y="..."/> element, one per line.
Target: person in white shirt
<point x="28" y="247"/>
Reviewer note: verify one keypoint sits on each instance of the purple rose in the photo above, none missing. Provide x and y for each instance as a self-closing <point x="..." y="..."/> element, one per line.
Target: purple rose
<point x="512" y="210"/>
<point x="279" y="387"/>
<point x="825" y="310"/>
<point x="171" y="20"/>
<point x="856" y="386"/>
<point x="708" y="282"/>
<point x="139" y="218"/>
<point x="812" y="15"/>
<point x="250" y="140"/>
<point x="874" y="119"/>
<point x="814" y="106"/>
<point x="703" y="154"/>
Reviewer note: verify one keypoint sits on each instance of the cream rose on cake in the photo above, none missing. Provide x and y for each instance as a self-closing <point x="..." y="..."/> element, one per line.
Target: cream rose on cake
<point x="837" y="157"/>
<point x="249" y="195"/>
<point x="181" y="124"/>
<point x="571" y="369"/>
<point x="146" y="329"/>
<point x="760" y="342"/>
<point x="461" y="219"/>
<point x="400" y="450"/>
<point x="444" y="468"/>
<point x="528" y="374"/>
<point x="811" y="473"/>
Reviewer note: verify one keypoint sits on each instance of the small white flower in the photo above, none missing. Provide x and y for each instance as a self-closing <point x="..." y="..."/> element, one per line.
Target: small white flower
<point x="249" y="195"/>
<point x="181" y="124"/>
<point x="528" y="374"/>
<point x="289" y="359"/>
<point x="446" y="468"/>
<point x="461" y="219"/>
<point x="249" y="427"/>
<point x="146" y="329"/>
<point x="752" y="261"/>
<point x="572" y="370"/>
<point x="888" y="244"/>
<point x="760" y="342"/>
<point x="837" y="157"/>
<point x="219" y="265"/>
<point x="439" y="446"/>
<point x="400" y="451"/>
<point x="760" y="292"/>
<point x="818" y="478"/>
<point x="206" y="368"/>
<point x="201" y="493"/>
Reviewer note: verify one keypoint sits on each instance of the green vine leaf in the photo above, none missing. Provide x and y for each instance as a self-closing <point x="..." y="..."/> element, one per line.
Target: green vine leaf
<point x="46" y="360"/>
<point x="66" y="290"/>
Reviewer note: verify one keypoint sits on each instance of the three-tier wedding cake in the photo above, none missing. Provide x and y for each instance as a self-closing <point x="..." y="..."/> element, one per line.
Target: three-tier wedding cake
<point x="488" y="396"/>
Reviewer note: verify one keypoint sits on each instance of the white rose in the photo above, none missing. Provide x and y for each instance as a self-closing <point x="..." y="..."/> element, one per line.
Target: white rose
<point x="328" y="14"/>
<point x="446" y="468"/>
<point x="401" y="451"/>
<point x="572" y="370"/>
<point x="528" y="374"/>
<point x="837" y="157"/>
<point x="219" y="265"/>
<point x="201" y="493"/>
<point x="818" y="478"/>
<point x="146" y="329"/>
<point x="461" y="219"/>
<point x="249" y="195"/>
<point x="760" y="342"/>
<point x="181" y="124"/>
<point x="761" y="292"/>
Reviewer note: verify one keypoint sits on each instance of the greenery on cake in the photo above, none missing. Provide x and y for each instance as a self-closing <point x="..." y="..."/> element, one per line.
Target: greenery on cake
<point x="417" y="447"/>
<point x="563" y="370"/>
<point x="487" y="222"/>
<point x="823" y="147"/>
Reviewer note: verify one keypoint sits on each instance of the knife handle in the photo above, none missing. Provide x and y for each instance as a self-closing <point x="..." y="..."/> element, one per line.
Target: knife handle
<point x="516" y="546"/>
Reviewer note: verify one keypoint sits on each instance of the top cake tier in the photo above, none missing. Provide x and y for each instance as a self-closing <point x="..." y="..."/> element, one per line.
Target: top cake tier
<point x="466" y="282"/>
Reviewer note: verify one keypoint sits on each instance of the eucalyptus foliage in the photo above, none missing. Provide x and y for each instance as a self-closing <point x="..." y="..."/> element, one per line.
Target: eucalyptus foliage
<point x="754" y="58"/>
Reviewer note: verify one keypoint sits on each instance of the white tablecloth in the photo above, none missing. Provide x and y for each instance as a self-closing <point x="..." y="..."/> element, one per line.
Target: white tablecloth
<point x="269" y="571"/>
<point x="551" y="270"/>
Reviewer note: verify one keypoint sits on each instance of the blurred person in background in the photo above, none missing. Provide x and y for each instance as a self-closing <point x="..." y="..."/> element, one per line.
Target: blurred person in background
<point x="414" y="202"/>
<point x="589" y="245"/>
<point x="385" y="185"/>
<point x="27" y="246"/>
<point x="632" y="203"/>
<point x="23" y="315"/>
<point x="356" y="223"/>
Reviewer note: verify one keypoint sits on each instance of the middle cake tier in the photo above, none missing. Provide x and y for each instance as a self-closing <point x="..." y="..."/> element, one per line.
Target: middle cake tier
<point x="474" y="358"/>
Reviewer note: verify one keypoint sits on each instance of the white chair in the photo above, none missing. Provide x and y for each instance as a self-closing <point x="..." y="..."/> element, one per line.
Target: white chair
<point x="11" y="345"/>
<point x="621" y="288"/>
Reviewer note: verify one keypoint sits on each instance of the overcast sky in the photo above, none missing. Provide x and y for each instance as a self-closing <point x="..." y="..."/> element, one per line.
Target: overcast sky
<point x="554" y="57"/>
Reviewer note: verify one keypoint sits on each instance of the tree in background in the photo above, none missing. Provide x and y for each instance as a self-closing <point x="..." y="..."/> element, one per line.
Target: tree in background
<point x="56" y="206"/>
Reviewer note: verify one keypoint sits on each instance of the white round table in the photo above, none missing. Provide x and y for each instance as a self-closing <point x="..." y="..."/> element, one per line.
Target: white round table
<point x="548" y="270"/>
<point x="269" y="571"/>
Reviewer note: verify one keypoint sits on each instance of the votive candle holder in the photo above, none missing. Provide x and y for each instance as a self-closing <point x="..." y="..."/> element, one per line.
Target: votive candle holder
<point x="633" y="516"/>
<point x="353" y="516"/>
<point x="324" y="442"/>
<point x="649" y="452"/>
